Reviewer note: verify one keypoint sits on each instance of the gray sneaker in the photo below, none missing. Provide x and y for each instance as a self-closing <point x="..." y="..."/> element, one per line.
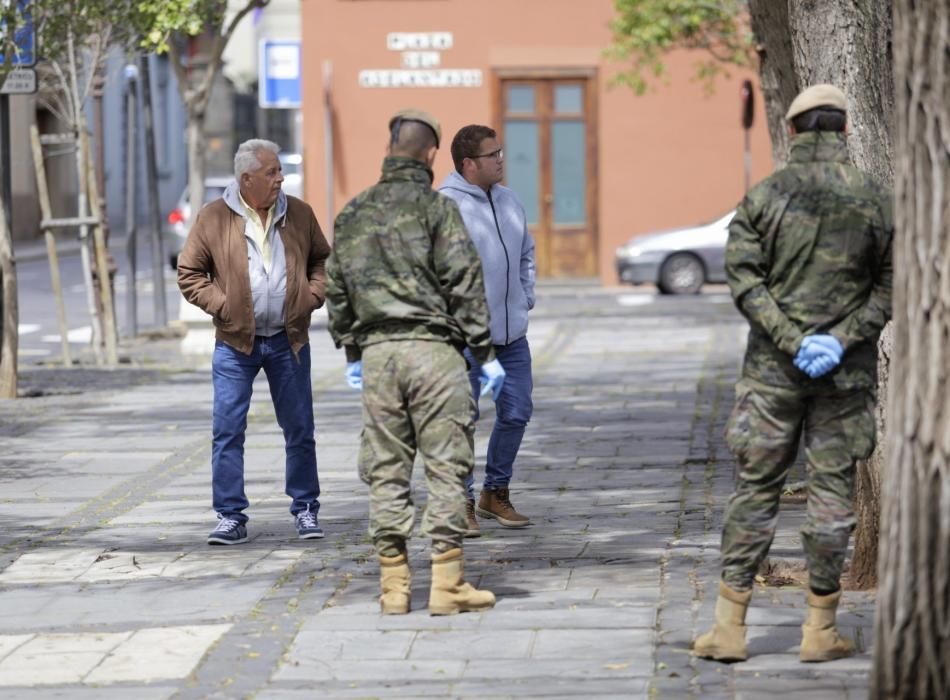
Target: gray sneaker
<point x="228" y="531"/>
<point x="307" y="526"/>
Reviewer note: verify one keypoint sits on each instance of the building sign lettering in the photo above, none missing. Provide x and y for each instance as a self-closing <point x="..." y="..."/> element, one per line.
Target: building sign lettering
<point x="418" y="41"/>
<point x="421" y="57"/>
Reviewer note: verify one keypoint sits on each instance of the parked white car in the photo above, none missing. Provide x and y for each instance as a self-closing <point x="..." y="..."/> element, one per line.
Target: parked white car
<point x="678" y="261"/>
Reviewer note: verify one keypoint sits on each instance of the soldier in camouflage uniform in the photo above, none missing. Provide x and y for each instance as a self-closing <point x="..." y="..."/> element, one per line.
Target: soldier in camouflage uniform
<point x="809" y="265"/>
<point x="405" y="295"/>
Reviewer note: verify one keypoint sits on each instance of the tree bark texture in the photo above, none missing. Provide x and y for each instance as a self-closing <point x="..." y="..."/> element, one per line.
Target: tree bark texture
<point x="846" y="43"/>
<point x="867" y="499"/>
<point x="912" y="624"/>
<point x="197" y="146"/>
<point x="8" y="350"/>
<point x="778" y="74"/>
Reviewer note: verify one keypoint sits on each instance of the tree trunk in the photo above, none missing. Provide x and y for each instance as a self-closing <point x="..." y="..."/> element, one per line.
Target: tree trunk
<point x="801" y="43"/>
<point x="197" y="145"/>
<point x="777" y="73"/>
<point x="912" y="624"/>
<point x="867" y="498"/>
<point x="847" y="43"/>
<point x="9" y="348"/>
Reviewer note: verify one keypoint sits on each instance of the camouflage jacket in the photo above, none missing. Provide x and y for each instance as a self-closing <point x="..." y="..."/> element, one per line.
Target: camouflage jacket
<point x="404" y="267"/>
<point x="809" y="251"/>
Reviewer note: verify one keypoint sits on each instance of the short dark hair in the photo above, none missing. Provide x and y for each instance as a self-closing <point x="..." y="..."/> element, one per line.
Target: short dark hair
<point x="468" y="141"/>
<point x="413" y="139"/>
<point x="820" y="119"/>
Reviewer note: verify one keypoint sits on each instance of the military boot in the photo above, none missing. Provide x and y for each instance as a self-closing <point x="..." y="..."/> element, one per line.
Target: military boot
<point x="496" y="503"/>
<point x="726" y="640"/>
<point x="820" y="638"/>
<point x="394" y="580"/>
<point x="472" y="528"/>
<point x="450" y="593"/>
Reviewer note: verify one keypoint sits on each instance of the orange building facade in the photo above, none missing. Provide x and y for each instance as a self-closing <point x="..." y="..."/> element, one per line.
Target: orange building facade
<point x="593" y="163"/>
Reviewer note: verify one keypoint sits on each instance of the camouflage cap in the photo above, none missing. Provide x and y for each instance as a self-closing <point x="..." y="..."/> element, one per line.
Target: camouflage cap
<point x="417" y="115"/>
<point x="823" y="95"/>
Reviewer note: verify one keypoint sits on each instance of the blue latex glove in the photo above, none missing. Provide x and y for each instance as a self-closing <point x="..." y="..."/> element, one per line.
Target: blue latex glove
<point x="354" y="375"/>
<point x="492" y="376"/>
<point x="818" y="355"/>
<point x="826" y="341"/>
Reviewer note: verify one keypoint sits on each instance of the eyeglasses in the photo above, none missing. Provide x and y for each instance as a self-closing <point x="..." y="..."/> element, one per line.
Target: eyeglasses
<point x="497" y="155"/>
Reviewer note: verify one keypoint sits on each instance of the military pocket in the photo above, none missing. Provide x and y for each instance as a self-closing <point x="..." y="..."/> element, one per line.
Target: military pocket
<point x="737" y="427"/>
<point x="364" y="462"/>
<point x="864" y="434"/>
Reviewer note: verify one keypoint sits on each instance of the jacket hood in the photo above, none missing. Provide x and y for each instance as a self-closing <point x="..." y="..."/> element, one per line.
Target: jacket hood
<point x="454" y="181"/>
<point x="232" y="197"/>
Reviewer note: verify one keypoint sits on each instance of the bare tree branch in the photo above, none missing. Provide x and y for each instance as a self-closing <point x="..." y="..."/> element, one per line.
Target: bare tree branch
<point x="174" y="57"/>
<point x="220" y="42"/>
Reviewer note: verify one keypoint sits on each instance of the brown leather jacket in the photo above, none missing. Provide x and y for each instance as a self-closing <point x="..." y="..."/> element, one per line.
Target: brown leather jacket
<point x="213" y="273"/>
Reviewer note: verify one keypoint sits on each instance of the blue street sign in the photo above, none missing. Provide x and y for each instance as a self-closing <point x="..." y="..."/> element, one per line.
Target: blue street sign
<point x="24" y="53"/>
<point x="279" y="74"/>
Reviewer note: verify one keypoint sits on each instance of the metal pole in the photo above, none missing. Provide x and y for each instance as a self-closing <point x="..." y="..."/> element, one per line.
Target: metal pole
<point x="131" y="215"/>
<point x="747" y="160"/>
<point x="155" y="217"/>
<point x="98" y="84"/>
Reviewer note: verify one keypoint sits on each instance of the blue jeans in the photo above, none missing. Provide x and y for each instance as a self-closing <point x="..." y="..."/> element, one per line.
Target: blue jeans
<point x="512" y="412"/>
<point x="232" y="376"/>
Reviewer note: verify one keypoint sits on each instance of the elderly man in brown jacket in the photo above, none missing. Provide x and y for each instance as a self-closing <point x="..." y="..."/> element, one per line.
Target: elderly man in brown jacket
<point x="254" y="261"/>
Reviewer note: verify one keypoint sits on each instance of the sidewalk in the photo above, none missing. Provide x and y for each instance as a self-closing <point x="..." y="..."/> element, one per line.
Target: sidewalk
<point x="107" y="589"/>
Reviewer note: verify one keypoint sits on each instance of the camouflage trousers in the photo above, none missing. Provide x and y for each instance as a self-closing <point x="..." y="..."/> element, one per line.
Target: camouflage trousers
<point x="416" y="398"/>
<point x="764" y="432"/>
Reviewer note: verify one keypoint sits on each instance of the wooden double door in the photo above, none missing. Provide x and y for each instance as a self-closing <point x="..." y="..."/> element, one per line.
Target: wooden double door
<point x="549" y="138"/>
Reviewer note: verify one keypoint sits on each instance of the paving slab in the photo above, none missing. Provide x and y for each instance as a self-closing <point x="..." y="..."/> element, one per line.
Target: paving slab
<point x="105" y="508"/>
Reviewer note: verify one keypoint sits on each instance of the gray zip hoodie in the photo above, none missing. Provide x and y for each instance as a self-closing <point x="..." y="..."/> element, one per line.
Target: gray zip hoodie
<point x="496" y="222"/>
<point x="268" y="289"/>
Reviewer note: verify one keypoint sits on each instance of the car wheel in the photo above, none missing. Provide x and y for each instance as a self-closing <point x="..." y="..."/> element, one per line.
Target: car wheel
<point x="681" y="273"/>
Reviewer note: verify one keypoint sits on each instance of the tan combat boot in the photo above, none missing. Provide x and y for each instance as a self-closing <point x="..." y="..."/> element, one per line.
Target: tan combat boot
<point x="471" y="522"/>
<point x="394" y="580"/>
<point x="820" y="638"/>
<point x="726" y="640"/>
<point x="495" y="503"/>
<point x="450" y="593"/>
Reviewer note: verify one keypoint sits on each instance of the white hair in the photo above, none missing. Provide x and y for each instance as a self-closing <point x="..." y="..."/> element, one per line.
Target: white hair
<point x="246" y="160"/>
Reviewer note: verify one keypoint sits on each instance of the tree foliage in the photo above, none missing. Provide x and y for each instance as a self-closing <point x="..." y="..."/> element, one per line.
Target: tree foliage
<point x="644" y="31"/>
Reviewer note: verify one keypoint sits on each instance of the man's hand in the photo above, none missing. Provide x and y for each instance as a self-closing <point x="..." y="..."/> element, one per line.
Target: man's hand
<point x="492" y="377"/>
<point x="818" y="355"/>
<point x="354" y="375"/>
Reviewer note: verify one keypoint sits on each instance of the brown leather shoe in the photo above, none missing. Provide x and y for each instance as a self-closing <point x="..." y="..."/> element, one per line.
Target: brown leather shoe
<point x="471" y="521"/>
<point x="495" y="503"/>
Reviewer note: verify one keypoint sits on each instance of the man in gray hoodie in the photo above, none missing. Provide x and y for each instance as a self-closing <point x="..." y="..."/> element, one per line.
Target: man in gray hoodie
<point x="495" y="220"/>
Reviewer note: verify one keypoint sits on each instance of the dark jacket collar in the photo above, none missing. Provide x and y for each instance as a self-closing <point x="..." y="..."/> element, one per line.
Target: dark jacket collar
<point x="815" y="146"/>
<point x="403" y="169"/>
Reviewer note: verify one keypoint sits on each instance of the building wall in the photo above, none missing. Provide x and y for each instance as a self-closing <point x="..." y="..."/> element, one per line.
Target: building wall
<point x="672" y="157"/>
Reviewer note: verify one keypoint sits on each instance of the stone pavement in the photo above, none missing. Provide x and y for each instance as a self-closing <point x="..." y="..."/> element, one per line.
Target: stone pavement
<point x="107" y="589"/>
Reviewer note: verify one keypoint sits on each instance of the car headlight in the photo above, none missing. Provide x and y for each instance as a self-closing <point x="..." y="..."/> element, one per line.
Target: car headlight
<point x="628" y="251"/>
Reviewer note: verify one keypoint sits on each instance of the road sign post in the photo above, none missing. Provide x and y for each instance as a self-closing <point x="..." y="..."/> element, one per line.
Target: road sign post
<point x="19" y="81"/>
<point x="279" y="74"/>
